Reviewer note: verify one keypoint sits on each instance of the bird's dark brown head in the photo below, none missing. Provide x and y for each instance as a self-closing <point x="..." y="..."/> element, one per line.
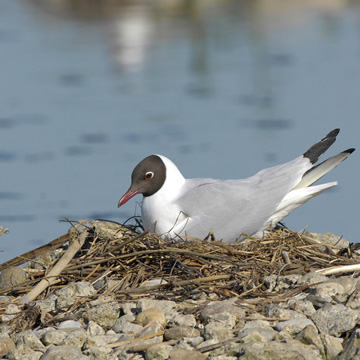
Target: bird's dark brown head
<point x="147" y="178"/>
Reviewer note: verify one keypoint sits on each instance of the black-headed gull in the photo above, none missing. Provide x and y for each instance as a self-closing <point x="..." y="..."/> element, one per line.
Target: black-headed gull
<point x="177" y="207"/>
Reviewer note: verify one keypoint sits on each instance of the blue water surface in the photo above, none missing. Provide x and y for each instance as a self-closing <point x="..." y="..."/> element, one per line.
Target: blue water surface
<point x="224" y="89"/>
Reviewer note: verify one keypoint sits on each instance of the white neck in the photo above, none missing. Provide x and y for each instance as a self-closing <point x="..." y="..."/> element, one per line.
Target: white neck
<point x="174" y="179"/>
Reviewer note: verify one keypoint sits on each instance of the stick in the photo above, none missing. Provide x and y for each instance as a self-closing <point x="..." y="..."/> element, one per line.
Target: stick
<point x="145" y="337"/>
<point x="144" y="347"/>
<point x="145" y="289"/>
<point x="341" y="269"/>
<point x="137" y="237"/>
<point x="149" y="252"/>
<point x="75" y="246"/>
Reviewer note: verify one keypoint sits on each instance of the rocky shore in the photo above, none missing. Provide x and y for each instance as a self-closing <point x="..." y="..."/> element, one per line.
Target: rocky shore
<point x="306" y="315"/>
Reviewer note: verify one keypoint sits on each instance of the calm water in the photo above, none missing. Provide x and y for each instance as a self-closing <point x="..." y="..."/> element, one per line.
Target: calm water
<point x="224" y="89"/>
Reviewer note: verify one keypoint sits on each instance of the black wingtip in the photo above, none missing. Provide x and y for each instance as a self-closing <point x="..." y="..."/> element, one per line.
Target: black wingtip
<point x="320" y="147"/>
<point x="332" y="133"/>
<point x="349" y="151"/>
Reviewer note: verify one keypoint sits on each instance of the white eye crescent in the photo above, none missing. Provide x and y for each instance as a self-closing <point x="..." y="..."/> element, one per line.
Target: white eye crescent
<point x="149" y="175"/>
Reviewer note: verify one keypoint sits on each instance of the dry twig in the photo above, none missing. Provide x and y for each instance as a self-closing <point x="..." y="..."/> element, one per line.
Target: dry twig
<point x="50" y="279"/>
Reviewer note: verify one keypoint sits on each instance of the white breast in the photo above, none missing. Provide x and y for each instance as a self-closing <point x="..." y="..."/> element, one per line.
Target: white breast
<point x="159" y="212"/>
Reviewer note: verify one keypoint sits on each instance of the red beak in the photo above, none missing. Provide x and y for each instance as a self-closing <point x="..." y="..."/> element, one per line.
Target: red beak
<point x="127" y="196"/>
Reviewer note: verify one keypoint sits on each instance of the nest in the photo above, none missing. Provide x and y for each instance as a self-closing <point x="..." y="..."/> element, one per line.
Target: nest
<point x="117" y="259"/>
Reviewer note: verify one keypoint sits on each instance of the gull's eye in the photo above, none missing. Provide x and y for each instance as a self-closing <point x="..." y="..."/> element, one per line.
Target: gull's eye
<point x="149" y="175"/>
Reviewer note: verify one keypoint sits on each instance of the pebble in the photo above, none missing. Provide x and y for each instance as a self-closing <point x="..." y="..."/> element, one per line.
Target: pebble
<point x="178" y="332"/>
<point x="335" y="319"/>
<point x="70" y="324"/>
<point x="152" y="315"/>
<point x="181" y="354"/>
<point x="12" y="276"/>
<point x="6" y="344"/>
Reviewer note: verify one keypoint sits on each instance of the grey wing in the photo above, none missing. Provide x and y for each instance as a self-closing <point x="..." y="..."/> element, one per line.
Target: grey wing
<point x="237" y="206"/>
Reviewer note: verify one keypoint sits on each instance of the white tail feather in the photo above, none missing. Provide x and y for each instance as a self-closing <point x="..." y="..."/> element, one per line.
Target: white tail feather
<point x="317" y="172"/>
<point x="294" y="199"/>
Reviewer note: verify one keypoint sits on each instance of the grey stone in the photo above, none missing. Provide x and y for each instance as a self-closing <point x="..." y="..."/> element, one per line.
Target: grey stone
<point x="309" y="336"/>
<point x="178" y="332"/>
<point x="216" y="308"/>
<point x="64" y="352"/>
<point x="294" y="326"/>
<point x="266" y="332"/>
<point x="94" y="329"/>
<point x="183" y="320"/>
<point x="54" y="337"/>
<point x="327" y="290"/>
<point x="142" y="343"/>
<point x="101" y="340"/>
<point x="104" y="311"/>
<point x="352" y="349"/>
<point x="181" y="354"/>
<point x="6" y="318"/>
<point x="82" y="289"/>
<point x="348" y="283"/>
<point x="27" y="340"/>
<point x="70" y="324"/>
<point x="312" y="278"/>
<point x="6" y="343"/>
<point x="217" y="331"/>
<point x="67" y="294"/>
<point x="122" y="325"/>
<point x="276" y="311"/>
<point x="335" y="319"/>
<point x="12" y="309"/>
<point x="99" y="353"/>
<point x="39" y="333"/>
<point x="301" y="305"/>
<point x="45" y="260"/>
<point x="182" y="344"/>
<point x="207" y="343"/>
<point x="288" y="349"/>
<point x="149" y="329"/>
<point x="225" y="319"/>
<point x="193" y="341"/>
<point x="12" y="276"/>
<point x="75" y="337"/>
<point x="354" y="300"/>
<point x="48" y="304"/>
<point x="257" y="324"/>
<point x="16" y="354"/>
<point x="255" y="336"/>
<point x="5" y="329"/>
<point x="111" y="332"/>
<point x="123" y="353"/>
<point x="164" y="305"/>
<point x="333" y="345"/>
<point x="317" y="301"/>
<point x="158" y="352"/>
